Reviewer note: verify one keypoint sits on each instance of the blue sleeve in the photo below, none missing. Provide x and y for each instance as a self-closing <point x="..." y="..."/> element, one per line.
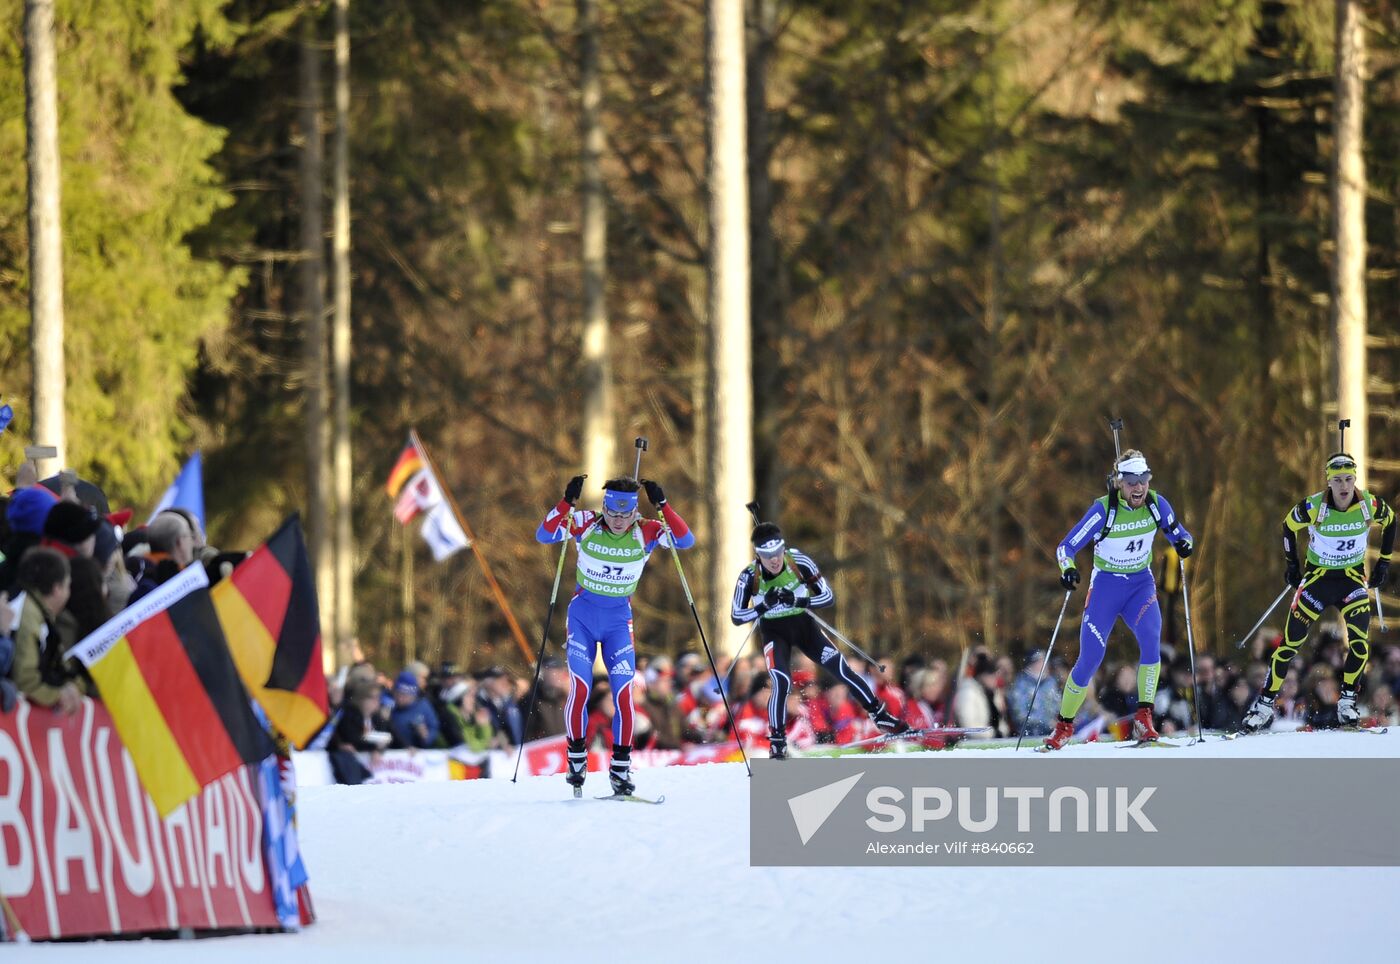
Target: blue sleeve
<point x="1081" y="535"/>
<point x="1171" y="526"/>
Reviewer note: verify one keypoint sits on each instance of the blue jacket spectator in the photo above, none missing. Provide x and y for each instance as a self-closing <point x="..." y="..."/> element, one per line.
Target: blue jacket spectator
<point x="1047" y="704"/>
<point x="412" y="720"/>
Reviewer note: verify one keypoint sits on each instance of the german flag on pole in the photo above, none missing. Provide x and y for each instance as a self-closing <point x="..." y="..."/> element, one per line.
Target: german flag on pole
<point x="167" y="678"/>
<point x="410" y="463"/>
<point x="270" y="616"/>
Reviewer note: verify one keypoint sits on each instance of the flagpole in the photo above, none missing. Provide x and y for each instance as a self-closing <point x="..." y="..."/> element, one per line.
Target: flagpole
<point x="406" y="598"/>
<point x="515" y="629"/>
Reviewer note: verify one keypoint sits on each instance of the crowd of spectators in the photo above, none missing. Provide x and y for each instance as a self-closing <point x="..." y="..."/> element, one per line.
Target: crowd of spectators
<point x="67" y="565"/>
<point x="677" y="701"/>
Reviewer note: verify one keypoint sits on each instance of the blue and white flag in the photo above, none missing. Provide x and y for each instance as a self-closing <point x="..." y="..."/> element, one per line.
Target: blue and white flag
<point x="186" y="492"/>
<point x="281" y="852"/>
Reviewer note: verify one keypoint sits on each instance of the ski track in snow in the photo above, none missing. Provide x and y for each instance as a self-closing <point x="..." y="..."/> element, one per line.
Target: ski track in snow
<point x="487" y="870"/>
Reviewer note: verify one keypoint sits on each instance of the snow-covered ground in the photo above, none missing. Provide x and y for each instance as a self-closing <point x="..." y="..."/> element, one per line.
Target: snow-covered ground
<point x="488" y="870"/>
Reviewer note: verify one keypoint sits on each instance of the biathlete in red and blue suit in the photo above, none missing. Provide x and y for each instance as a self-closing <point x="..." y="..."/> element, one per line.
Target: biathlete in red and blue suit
<point x="613" y="548"/>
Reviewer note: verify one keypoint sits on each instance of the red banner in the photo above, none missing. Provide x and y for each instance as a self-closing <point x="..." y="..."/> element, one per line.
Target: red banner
<point x="82" y="851"/>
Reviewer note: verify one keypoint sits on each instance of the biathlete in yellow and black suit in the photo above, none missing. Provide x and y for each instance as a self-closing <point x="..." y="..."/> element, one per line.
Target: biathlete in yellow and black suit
<point x="1338" y="521"/>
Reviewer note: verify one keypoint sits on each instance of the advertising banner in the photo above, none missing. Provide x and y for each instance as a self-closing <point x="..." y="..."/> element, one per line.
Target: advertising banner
<point x="83" y="852"/>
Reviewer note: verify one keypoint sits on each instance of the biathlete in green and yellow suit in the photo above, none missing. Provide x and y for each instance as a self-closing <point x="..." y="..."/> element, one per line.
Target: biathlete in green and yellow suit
<point x="1338" y="521"/>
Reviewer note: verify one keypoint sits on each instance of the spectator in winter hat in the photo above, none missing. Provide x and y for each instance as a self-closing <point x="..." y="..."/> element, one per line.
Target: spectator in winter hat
<point x="25" y="515"/>
<point x="29" y="508"/>
<point x="412" y="720"/>
<point x="72" y="529"/>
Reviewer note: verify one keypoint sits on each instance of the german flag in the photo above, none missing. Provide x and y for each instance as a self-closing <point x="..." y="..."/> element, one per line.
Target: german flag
<point x="410" y="463"/>
<point x="170" y="684"/>
<point x="269" y="613"/>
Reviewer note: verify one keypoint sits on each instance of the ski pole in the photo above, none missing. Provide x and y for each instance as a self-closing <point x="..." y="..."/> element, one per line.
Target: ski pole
<point x="1380" y="613"/>
<point x="737" y="653"/>
<point x="854" y="648"/>
<point x="17" y="934"/>
<point x="1035" y="694"/>
<point x="724" y="686"/>
<point x="1268" y="612"/>
<point x="680" y="571"/>
<point x="1191" y="650"/>
<point x="641" y="444"/>
<point x="544" y="641"/>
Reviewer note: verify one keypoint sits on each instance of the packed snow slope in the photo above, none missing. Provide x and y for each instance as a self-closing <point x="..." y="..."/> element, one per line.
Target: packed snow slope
<point x="487" y="870"/>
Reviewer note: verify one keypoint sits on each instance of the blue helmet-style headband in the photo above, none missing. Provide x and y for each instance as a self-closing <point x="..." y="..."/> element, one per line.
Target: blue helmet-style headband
<point x="619" y="502"/>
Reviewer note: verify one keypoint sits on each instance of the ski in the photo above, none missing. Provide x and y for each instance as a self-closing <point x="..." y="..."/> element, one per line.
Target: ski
<point x="1376" y="730"/>
<point x="1139" y="744"/>
<point x="631" y="798"/>
<point x="914" y="735"/>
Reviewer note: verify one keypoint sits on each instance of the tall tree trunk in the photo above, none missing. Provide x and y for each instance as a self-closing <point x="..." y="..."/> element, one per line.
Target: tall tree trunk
<point x="45" y="234"/>
<point x="730" y="427"/>
<point x="340" y="348"/>
<point x="314" y="325"/>
<point x="598" y="422"/>
<point x="765" y="287"/>
<point x="1349" y="222"/>
<point x="995" y="377"/>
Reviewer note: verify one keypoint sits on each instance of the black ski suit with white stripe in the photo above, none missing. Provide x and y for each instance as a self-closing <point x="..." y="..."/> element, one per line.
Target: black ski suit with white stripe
<point x="787" y="627"/>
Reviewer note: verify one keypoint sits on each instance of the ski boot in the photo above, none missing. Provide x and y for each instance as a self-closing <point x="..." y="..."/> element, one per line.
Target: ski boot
<point x="1064" y="729"/>
<point x="1347" y="713"/>
<point x="578" y="766"/>
<point x="886" y="722"/>
<point x="1260" y="715"/>
<point x="1143" y="730"/>
<point x="620" y="773"/>
<point x="777" y="746"/>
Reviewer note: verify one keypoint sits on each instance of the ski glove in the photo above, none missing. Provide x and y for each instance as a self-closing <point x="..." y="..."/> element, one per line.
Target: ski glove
<point x="654" y="494"/>
<point x="1069" y="578"/>
<point x="1378" y="574"/>
<point x="1184" y="548"/>
<point x="760" y="603"/>
<point x="784" y="597"/>
<point x="1294" y="575"/>
<point x="574" y="489"/>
